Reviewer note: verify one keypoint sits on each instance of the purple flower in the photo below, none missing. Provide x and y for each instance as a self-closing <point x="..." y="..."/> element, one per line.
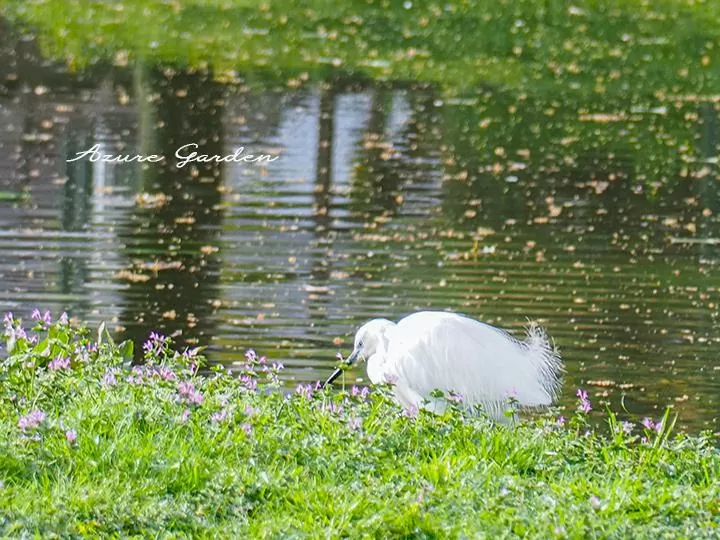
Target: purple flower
<point x="219" y="416"/>
<point x="648" y="423"/>
<point x="109" y="377"/>
<point x="189" y="354"/>
<point x="305" y="390"/>
<point x="60" y="362"/>
<point x="627" y="427"/>
<point x="560" y="420"/>
<point x="63" y="318"/>
<point x="185" y="416"/>
<point x="411" y="411"/>
<point x="249" y="411"/>
<point x="278" y="366"/>
<point x="250" y="355"/>
<point x="339" y="356"/>
<point x="391" y="378"/>
<point x="166" y="373"/>
<point x="334" y="408"/>
<point x="247" y="428"/>
<point x="155" y="343"/>
<point x="584" y="405"/>
<point x="8" y="320"/>
<point x="354" y="423"/>
<point x="188" y="392"/>
<point x="46" y="317"/>
<point x="71" y="436"/>
<point x="31" y="420"/>
<point x="249" y="382"/>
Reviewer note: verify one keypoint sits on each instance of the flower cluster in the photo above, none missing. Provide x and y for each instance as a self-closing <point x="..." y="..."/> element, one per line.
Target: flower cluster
<point x="255" y="367"/>
<point x="584" y="404"/>
<point x="189" y="394"/>
<point x="44" y="319"/>
<point x="31" y="420"/>
<point x="648" y="424"/>
<point x="155" y="345"/>
<point x="59" y="362"/>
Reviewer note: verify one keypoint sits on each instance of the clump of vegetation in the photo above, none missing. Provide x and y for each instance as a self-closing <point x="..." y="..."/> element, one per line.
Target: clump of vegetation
<point x="594" y="49"/>
<point x="92" y="446"/>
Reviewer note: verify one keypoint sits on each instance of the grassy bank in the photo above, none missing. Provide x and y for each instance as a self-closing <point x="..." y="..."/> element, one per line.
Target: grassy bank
<point x="89" y="446"/>
<point x="597" y="49"/>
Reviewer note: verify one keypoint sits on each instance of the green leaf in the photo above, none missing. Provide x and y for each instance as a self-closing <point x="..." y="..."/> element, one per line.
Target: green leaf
<point x="126" y="350"/>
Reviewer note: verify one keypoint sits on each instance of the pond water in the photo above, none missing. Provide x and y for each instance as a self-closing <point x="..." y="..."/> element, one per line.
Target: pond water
<point x="384" y="199"/>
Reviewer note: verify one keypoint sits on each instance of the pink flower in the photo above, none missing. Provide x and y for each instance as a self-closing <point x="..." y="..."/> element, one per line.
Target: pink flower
<point x="71" y="436"/>
<point x="362" y="393"/>
<point x="391" y="378"/>
<point x="155" y="343"/>
<point x="411" y="411"/>
<point x="188" y="392"/>
<point x="109" y="378"/>
<point x="166" y="373"/>
<point x="584" y="405"/>
<point x="46" y="317"/>
<point x="219" y="416"/>
<point x="59" y="363"/>
<point x="249" y="382"/>
<point x="305" y="390"/>
<point x="31" y="420"/>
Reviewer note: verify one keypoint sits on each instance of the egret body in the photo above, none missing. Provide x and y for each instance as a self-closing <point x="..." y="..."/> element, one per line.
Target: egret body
<point x="432" y="350"/>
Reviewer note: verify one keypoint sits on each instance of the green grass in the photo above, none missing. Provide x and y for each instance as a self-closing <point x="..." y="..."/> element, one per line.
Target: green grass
<point x="149" y="460"/>
<point x="610" y="48"/>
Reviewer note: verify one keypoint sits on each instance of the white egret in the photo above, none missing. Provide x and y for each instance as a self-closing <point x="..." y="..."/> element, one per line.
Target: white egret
<point x="432" y="350"/>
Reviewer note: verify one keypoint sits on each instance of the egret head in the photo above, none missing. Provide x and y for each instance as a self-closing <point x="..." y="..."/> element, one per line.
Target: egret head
<point x="370" y="337"/>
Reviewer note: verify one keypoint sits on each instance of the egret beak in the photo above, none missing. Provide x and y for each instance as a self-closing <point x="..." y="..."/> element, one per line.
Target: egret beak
<point x="348" y="362"/>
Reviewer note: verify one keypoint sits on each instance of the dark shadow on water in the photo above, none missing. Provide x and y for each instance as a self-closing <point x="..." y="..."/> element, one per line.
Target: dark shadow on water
<point x="170" y="246"/>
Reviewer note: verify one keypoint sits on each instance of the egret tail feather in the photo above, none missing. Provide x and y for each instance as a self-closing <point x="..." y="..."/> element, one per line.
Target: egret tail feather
<point x="545" y="357"/>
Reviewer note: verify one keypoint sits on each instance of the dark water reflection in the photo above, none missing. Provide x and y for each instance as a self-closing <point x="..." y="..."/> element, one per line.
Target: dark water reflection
<point x="386" y="199"/>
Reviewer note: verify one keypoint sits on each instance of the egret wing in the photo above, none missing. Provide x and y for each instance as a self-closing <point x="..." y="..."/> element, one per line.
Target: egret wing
<point x="485" y="365"/>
